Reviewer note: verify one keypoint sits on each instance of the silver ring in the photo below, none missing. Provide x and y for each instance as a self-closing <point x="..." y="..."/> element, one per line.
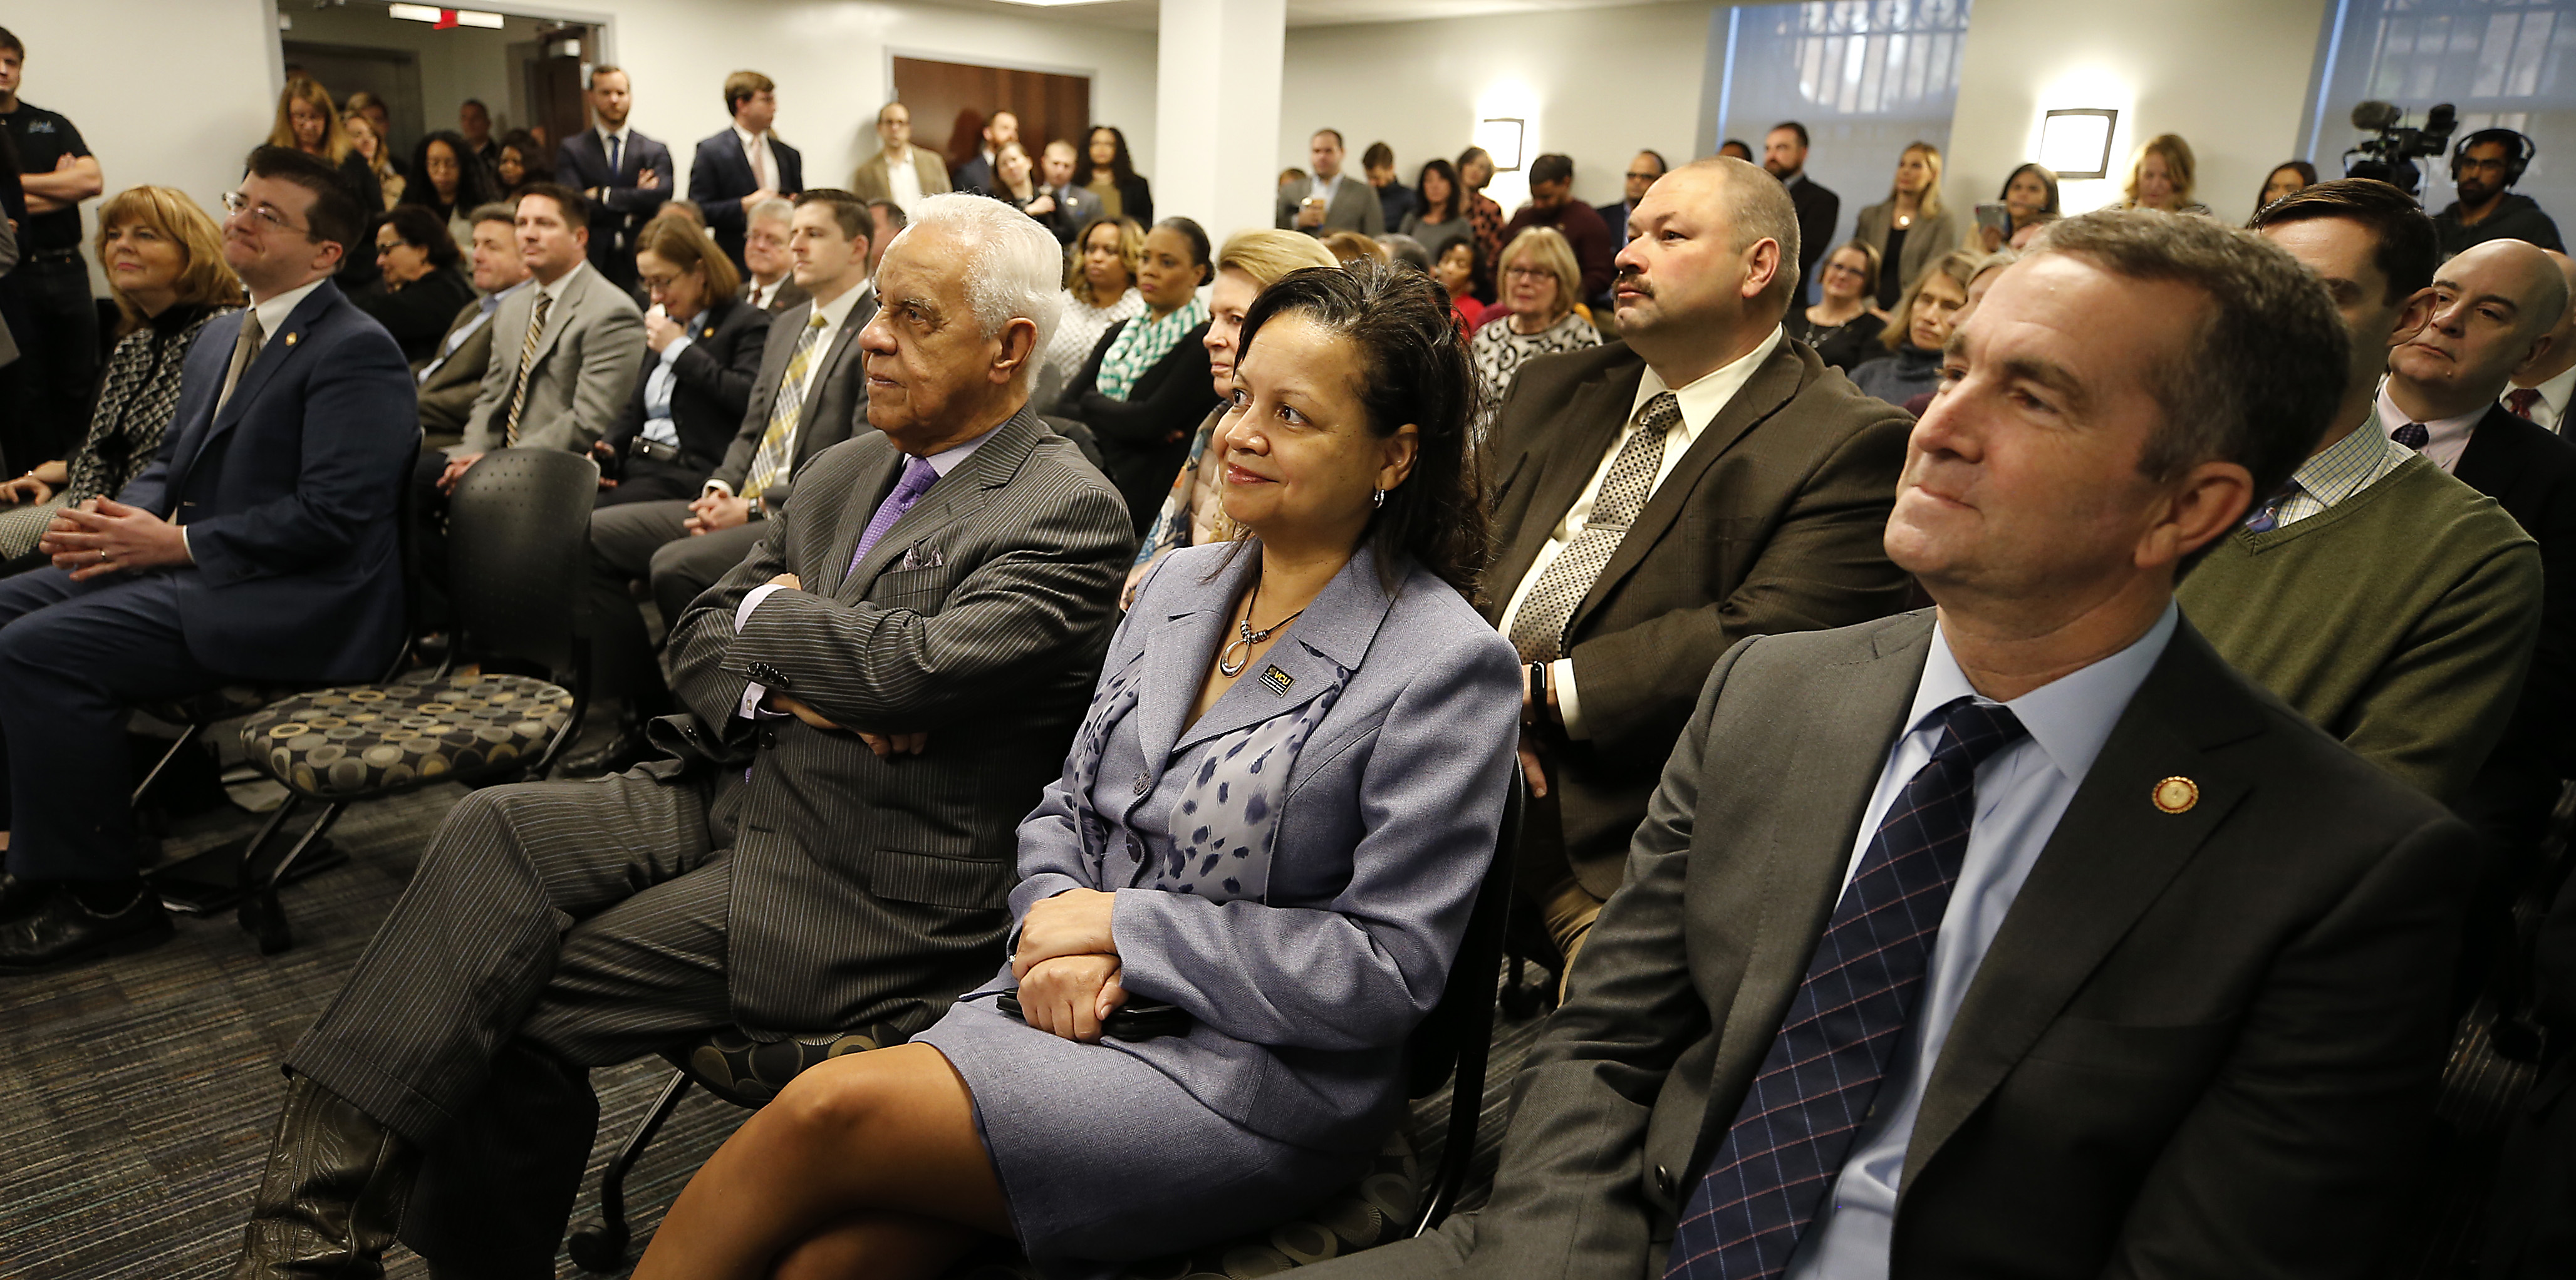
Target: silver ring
<point x="102" y="557"/>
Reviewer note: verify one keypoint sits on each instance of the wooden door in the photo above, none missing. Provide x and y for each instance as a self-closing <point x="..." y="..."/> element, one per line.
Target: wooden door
<point x="949" y="101"/>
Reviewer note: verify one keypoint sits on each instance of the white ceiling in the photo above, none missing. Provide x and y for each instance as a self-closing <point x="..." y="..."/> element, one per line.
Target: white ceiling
<point x="1145" y="15"/>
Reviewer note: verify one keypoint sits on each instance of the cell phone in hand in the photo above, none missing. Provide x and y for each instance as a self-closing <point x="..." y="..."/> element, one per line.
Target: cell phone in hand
<point x="1994" y="217"/>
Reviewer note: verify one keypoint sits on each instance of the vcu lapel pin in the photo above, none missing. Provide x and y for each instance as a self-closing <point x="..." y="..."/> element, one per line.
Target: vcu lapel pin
<point x="1277" y="680"/>
<point x="2175" y="795"/>
<point x="290" y="339"/>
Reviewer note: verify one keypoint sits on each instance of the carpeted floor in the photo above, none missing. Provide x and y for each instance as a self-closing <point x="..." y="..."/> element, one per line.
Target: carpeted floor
<point x="136" y="1095"/>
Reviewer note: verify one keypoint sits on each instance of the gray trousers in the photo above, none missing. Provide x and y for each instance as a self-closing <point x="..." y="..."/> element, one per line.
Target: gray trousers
<point x="649" y="542"/>
<point x="550" y="928"/>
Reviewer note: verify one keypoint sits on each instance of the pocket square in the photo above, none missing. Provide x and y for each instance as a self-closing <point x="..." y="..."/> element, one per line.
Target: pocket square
<point x="920" y="557"/>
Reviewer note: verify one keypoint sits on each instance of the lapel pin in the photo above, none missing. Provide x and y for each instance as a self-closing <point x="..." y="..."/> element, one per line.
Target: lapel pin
<point x="2175" y="795"/>
<point x="1277" y="681"/>
<point x="290" y="339"/>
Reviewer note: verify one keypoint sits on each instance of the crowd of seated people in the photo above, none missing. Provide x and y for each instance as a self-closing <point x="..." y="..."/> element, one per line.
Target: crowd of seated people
<point x="1063" y="617"/>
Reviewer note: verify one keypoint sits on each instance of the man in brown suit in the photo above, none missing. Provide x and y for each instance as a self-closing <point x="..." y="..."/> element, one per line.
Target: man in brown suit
<point x="1658" y="499"/>
<point x="450" y="380"/>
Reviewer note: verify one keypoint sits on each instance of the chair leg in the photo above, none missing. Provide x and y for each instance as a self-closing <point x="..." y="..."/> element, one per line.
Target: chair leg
<point x="260" y="914"/>
<point x="187" y="738"/>
<point x="599" y="1245"/>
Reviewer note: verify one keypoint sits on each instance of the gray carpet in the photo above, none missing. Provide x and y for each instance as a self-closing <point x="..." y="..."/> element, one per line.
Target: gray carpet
<point x="136" y="1095"/>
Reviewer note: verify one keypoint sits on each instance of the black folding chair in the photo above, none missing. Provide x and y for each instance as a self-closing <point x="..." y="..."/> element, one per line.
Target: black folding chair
<point x="1449" y="1047"/>
<point x="518" y="552"/>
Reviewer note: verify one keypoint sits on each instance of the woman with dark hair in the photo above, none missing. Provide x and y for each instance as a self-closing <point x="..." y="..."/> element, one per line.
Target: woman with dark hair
<point x="1456" y="264"/>
<point x="1439" y="206"/>
<point x="521" y="160"/>
<point x="1099" y="291"/>
<point x="448" y="181"/>
<point x="1269" y="829"/>
<point x="1842" y="327"/>
<point x="420" y="287"/>
<point x="1146" y="384"/>
<point x="2285" y="178"/>
<point x="2030" y="200"/>
<point x="1475" y="169"/>
<point x="1110" y="173"/>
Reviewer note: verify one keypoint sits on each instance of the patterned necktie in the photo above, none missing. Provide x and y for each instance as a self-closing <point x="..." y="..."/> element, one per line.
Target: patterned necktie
<point x="1538" y="630"/>
<point x="918" y="476"/>
<point x="2267" y="517"/>
<point x="2520" y="401"/>
<point x="245" y="349"/>
<point x="776" y="443"/>
<point x="1799" y="1121"/>
<point x="527" y="361"/>
<point x="2413" y="435"/>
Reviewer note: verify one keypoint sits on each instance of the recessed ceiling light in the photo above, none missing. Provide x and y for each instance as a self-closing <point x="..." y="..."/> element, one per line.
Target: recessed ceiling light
<point x="1052" y="4"/>
<point x="439" y="17"/>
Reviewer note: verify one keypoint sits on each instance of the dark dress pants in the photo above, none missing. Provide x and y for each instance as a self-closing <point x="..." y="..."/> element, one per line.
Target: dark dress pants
<point x="623" y="539"/>
<point x="651" y="480"/>
<point x="550" y="928"/>
<point x="683" y="570"/>
<point x="45" y="411"/>
<point x="75" y="658"/>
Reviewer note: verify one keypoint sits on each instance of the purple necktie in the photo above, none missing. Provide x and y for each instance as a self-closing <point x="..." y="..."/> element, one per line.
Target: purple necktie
<point x="918" y="476"/>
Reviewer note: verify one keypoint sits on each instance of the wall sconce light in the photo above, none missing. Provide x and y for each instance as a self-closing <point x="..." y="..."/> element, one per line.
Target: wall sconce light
<point x="1501" y="137"/>
<point x="2076" y="142"/>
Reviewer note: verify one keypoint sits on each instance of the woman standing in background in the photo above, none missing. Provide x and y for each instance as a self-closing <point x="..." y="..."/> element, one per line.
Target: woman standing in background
<point x="1910" y="229"/>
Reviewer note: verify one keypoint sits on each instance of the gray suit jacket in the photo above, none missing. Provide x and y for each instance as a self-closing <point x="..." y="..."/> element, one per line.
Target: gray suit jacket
<point x="872" y="887"/>
<point x="1925" y="241"/>
<point x="587" y="360"/>
<point x="447" y="396"/>
<point x="1355" y="207"/>
<point x="1303" y="1001"/>
<point x="835" y="407"/>
<point x="2202" y="1043"/>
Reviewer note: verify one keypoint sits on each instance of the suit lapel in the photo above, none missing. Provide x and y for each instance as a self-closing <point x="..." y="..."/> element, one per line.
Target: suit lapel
<point x="2110" y="857"/>
<point x="1593" y="418"/>
<point x="1177" y="655"/>
<point x="1770" y="387"/>
<point x="274" y="352"/>
<point x="774" y="354"/>
<point x="2486" y="463"/>
<point x="949" y="498"/>
<point x="558" y="316"/>
<point x="844" y="347"/>
<point x="1334" y="632"/>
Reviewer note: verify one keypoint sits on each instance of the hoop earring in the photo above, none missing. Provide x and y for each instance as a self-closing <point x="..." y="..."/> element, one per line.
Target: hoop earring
<point x="1377" y="498"/>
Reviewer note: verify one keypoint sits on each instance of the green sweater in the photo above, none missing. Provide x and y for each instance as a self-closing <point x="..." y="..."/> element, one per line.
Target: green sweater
<point x="2400" y="620"/>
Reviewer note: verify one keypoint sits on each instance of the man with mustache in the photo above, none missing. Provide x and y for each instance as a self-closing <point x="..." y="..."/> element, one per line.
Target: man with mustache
<point x="1656" y="500"/>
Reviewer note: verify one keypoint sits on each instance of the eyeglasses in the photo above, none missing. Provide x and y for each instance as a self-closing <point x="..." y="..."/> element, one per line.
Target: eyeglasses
<point x="1634" y="176"/>
<point x="235" y="202"/>
<point x="1529" y="273"/>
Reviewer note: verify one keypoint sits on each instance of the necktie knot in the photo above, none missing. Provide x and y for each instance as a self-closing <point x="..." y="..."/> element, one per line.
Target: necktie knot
<point x="2413" y="435"/>
<point x="918" y="476"/>
<point x="2520" y="400"/>
<point x="1976" y="730"/>
<point x="1662" y="414"/>
<point x="2267" y="516"/>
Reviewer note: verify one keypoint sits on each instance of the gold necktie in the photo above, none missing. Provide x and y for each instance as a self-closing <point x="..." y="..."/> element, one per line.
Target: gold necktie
<point x="245" y="350"/>
<point x="527" y="358"/>
<point x="774" y="454"/>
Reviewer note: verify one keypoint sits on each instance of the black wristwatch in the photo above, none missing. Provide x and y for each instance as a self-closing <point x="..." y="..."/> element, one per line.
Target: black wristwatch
<point x="1534" y="707"/>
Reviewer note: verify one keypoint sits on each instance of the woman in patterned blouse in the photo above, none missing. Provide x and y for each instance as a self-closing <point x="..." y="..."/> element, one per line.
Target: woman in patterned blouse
<point x="1475" y="169"/>
<point x="1536" y="317"/>
<point x="165" y="267"/>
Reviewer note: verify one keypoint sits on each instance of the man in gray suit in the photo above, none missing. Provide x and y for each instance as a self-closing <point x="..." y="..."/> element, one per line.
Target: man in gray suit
<point x="875" y="699"/>
<point x="451" y="380"/>
<point x="2184" y="1010"/>
<point x="566" y="354"/>
<point x="1070" y="208"/>
<point x="789" y="422"/>
<point x="1329" y="200"/>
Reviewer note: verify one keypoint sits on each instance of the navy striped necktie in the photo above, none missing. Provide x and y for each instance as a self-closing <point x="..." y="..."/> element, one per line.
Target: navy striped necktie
<point x="1804" y="1112"/>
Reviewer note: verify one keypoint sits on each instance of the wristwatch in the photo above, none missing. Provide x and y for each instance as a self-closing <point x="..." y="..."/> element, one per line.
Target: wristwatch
<point x="1534" y="710"/>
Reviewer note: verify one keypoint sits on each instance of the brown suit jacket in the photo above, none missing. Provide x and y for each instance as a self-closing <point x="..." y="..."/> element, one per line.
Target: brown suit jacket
<point x="869" y="180"/>
<point x="447" y="398"/>
<point x="1772" y="522"/>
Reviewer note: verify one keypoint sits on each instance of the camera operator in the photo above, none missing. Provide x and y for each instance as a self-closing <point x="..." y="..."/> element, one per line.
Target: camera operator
<point x="2482" y="166"/>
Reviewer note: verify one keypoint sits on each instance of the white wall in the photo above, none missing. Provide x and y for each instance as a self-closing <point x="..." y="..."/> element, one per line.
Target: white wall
<point x="2228" y="76"/>
<point x="1596" y="84"/>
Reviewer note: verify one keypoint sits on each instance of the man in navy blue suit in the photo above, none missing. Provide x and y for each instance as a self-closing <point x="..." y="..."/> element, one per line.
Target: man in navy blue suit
<point x="259" y="546"/>
<point x="744" y="163"/>
<point x="626" y="175"/>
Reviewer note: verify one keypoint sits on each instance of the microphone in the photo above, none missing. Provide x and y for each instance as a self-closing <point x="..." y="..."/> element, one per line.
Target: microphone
<point x="2375" y="115"/>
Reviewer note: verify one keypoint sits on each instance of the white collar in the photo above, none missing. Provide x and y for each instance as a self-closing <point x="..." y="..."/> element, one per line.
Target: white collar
<point x="274" y="312"/>
<point x="747" y="137"/>
<point x="562" y="282"/>
<point x="1701" y="401"/>
<point x="2554" y="392"/>
<point x="837" y="312"/>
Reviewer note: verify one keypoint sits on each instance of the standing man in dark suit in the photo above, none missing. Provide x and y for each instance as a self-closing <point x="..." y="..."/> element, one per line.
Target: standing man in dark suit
<point x="874" y="700"/>
<point x="1075" y="207"/>
<point x="2156" y="970"/>
<point x="1784" y="154"/>
<point x="260" y="545"/>
<point x="1001" y="129"/>
<point x="1329" y="200"/>
<point x="743" y="164"/>
<point x="809" y="394"/>
<point x="626" y="175"/>
<point x="1660" y="498"/>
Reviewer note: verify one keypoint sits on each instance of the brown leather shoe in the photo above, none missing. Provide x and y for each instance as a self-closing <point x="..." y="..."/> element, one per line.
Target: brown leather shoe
<point x="332" y="1195"/>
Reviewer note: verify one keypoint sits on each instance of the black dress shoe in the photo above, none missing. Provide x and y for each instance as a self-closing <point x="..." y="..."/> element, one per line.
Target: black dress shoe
<point x="66" y="931"/>
<point x="21" y="897"/>
<point x="623" y="751"/>
<point x="331" y="1196"/>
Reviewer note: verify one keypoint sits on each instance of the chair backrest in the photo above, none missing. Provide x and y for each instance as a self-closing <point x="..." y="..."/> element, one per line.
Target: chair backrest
<point x="518" y="556"/>
<point x="1454" y="1037"/>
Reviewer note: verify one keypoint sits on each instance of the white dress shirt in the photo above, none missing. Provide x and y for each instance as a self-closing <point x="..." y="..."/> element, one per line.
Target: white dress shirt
<point x="942" y="463"/>
<point x="764" y="166"/>
<point x="1700" y="402"/>
<point x="2551" y="411"/>
<point x="903" y="181"/>
<point x="835" y="314"/>
<point x="2450" y="436"/>
<point x="2022" y="790"/>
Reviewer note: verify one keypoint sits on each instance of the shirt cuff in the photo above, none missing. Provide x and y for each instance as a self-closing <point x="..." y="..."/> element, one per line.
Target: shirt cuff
<point x="1569" y="708"/>
<point x="720" y="487"/>
<point x="752" y="693"/>
<point x="679" y="344"/>
<point x="185" y="548"/>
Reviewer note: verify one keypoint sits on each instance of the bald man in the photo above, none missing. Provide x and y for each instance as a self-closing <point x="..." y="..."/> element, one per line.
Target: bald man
<point x="2541" y="392"/>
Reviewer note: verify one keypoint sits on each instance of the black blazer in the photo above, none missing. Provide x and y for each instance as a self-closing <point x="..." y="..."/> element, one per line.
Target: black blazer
<point x="712" y="387"/>
<point x="975" y="175"/>
<point x="2531" y="473"/>
<point x="418" y="314"/>
<point x="1135" y="200"/>
<point x="1818" y="212"/>
<point x="720" y="176"/>
<point x="622" y="208"/>
<point x="1145" y="437"/>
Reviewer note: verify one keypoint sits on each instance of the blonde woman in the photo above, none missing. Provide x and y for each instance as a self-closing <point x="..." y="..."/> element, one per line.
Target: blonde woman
<point x="2160" y="177"/>
<point x="1099" y="291"/>
<point x="1919" y="329"/>
<point x="164" y="261"/>
<point x="369" y="146"/>
<point x="1910" y="229"/>
<point x="1250" y="261"/>
<point x="1540" y="284"/>
<point x="308" y="122"/>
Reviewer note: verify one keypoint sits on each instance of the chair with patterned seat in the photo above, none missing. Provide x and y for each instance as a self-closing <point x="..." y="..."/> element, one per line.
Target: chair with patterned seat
<point x="518" y="551"/>
<point x="1388" y="1203"/>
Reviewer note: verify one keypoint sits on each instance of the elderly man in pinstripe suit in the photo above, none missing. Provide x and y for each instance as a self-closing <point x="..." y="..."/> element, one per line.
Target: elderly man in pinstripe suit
<point x="875" y="697"/>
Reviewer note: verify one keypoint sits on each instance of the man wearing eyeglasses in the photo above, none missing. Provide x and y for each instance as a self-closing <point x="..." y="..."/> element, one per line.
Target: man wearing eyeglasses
<point x="260" y="547"/>
<point x="1642" y="172"/>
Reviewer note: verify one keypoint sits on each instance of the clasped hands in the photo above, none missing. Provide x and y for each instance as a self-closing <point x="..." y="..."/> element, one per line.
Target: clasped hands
<point x="104" y="536"/>
<point x="883" y="743"/>
<point x="1067" y="965"/>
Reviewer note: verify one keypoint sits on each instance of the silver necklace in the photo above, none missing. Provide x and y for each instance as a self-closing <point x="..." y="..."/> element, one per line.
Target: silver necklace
<point x="1246" y="637"/>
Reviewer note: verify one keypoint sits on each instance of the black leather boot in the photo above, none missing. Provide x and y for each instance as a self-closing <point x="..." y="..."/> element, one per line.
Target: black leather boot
<point x="332" y="1194"/>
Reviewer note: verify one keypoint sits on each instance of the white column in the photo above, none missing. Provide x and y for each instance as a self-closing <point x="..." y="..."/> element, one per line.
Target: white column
<point x="1216" y="112"/>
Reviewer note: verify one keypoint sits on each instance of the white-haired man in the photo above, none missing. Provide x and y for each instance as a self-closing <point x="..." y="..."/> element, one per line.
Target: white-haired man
<point x="829" y="849"/>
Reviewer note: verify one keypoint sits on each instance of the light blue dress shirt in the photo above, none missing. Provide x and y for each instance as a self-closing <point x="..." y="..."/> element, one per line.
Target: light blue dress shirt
<point x="658" y="384"/>
<point x="2022" y="791"/>
<point x="490" y="303"/>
